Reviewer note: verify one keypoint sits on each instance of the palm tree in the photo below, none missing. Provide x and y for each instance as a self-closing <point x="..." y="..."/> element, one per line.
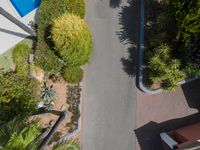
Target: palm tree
<point x="7" y="15"/>
<point x="14" y="135"/>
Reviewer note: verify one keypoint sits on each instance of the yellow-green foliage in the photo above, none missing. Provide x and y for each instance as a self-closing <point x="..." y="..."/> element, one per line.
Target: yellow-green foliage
<point x="72" y="39"/>
<point x="20" y="58"/>
<point x="165" y="69"/>
<point x="49" y="10"/>
<point x="72" y="74"/>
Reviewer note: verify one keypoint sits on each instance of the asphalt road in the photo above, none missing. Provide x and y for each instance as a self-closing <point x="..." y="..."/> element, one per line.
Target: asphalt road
<point x="109" y="93"/>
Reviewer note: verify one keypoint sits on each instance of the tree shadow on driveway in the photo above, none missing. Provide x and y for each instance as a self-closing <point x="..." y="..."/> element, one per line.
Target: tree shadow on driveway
<point x="115" y="3"/>
<point x="129" y="35"/>
<point x="148" y="136"/>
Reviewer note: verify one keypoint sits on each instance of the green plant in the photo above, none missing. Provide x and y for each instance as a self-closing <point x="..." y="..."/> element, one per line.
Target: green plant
<point x="18" y="135"/>
<point x="72" y="145"/>
<point x="48" y="94"/>
<point x="165" y="69"/>
<point x="47" y="60"/>
<point x="72" y="39"/>
<point x="20" y="57"/>
<point x="45" y="56"/>
<point x="72" y="74"/>
<point x="18" y="96"/>
<point x="20" y="54"/>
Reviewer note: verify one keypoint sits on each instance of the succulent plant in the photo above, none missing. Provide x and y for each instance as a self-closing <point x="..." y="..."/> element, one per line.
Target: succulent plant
<point x="48" y="94"/>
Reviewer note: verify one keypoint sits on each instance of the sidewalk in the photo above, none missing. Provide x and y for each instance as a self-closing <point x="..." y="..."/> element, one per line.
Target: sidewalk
<point x="163" y="112"/>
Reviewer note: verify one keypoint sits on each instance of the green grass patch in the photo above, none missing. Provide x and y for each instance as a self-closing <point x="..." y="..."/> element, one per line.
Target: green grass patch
<point x="6" y="61"/>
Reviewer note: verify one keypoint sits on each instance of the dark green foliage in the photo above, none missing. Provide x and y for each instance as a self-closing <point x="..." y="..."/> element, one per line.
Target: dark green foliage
<point x="177" y="23"/>
<point x="17" y="135"/>
<point x="46" y="57"/>
<point x="17" y="96"/>
<point x="72" y="74"/>
<point x="164" y="69"/>
<point x="47" y="60"/>
<point x="73" y="99"/>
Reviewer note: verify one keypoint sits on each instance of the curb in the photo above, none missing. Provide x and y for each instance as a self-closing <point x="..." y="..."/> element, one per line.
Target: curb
<point x="141" y="58"/>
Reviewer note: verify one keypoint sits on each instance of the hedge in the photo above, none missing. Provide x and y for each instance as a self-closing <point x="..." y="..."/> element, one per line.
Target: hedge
<point x="49" y="10"/>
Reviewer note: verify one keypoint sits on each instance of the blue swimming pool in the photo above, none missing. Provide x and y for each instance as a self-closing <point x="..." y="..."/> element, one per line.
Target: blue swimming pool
<point x="24" y="7"/>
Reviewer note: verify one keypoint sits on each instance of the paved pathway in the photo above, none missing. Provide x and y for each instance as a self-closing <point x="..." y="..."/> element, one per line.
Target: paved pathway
<point x="164" y="112"/>
<point x="109" y="93"/>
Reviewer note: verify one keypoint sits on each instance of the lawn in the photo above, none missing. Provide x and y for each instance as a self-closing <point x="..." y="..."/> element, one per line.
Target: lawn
<point x="6" y="61"/>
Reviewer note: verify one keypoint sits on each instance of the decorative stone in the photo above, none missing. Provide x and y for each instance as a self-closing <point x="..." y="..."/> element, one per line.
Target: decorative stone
<point x="38" y="74"/>
<point x="62" y="108"/>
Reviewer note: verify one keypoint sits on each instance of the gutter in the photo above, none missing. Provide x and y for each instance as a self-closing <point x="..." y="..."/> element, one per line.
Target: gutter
<point x="141" y="58"/>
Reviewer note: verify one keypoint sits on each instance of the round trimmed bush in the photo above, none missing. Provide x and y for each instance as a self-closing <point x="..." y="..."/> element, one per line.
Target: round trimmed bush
<point x="20" y="54"/>
<point x="72" y="74"/>
<point x="72" y="39"/>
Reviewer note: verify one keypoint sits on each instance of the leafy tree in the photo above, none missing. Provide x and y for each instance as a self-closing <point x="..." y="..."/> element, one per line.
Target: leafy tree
<point x="72" y="39"/>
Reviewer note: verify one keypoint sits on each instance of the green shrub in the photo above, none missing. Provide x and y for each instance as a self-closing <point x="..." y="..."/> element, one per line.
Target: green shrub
<point x="72" y="74"/>
<point x="48" y="61"/>
<point x="16" y="134"/>
<point x="72" y="39"/>
<point x="20" y="54"/>
<point x="49" y="10"/>
<point x="20" y="57"/>
<point x="71" y="145"/>
<point x="18" y="96"/>
<point x="164" y="69"/>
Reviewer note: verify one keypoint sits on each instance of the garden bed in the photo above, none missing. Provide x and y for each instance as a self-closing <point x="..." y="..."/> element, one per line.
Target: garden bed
<point x="168" y="55"/>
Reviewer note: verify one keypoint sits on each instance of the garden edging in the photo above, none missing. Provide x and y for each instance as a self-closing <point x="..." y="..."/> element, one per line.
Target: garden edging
<point x="72" y="134"/>
<point x="141" y="58"/>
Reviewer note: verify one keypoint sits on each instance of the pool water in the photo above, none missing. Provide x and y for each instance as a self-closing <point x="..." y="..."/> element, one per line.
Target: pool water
<point x="24" y="7"/>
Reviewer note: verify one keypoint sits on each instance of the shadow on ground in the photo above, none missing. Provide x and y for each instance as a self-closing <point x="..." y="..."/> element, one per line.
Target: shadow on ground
<point x="148" y="135"/>
<point x="129" y="35"/>
<point x="115" y="3"/>
<point x="191" y="91"/>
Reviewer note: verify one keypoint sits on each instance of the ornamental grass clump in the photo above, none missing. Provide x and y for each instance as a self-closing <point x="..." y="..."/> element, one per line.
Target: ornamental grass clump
<point x="165" y="69"/>
<point x="72" y="39"/>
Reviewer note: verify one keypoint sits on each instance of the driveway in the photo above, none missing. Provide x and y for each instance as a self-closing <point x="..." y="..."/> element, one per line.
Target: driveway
<point x="109" y="92"/>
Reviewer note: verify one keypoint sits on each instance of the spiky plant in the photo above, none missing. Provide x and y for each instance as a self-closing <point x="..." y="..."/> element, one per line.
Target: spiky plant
<point x="17" y="135"/>
<point x="48" y="94"/>
<point x="165" y="69"/>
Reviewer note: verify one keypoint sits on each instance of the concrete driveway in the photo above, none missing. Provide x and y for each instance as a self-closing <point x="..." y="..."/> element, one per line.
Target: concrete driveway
<point x="109" y="93"/>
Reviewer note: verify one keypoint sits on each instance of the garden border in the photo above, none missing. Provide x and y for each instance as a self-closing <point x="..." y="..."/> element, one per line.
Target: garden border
<point x="70" y="135"/>
<point x="141" y="58"/>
